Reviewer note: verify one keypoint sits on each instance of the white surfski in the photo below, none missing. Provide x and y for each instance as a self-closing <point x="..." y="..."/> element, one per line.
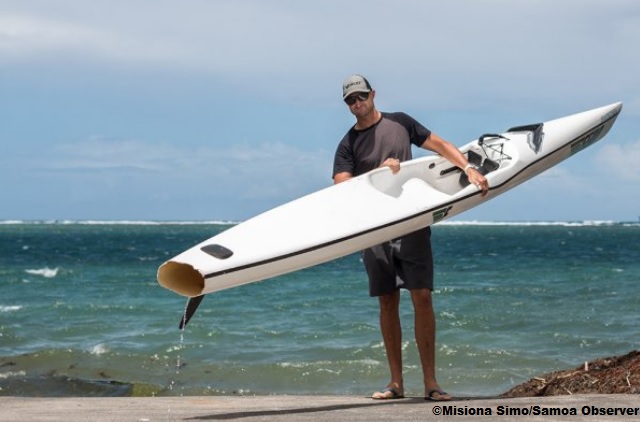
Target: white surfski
<point x="377" y="206"/>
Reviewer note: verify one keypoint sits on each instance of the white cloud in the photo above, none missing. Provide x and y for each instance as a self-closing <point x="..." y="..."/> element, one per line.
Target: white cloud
<point x="29" y="38"/>
<point x="99" y="153"/>
<point x="266" y="170"/>
<point x="622" y="160"/>
<point x="452" y="52"/>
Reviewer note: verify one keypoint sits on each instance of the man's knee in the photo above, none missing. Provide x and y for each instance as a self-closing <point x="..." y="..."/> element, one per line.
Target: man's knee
<point x="421" y="298"/>
<point x="389" y="302"/>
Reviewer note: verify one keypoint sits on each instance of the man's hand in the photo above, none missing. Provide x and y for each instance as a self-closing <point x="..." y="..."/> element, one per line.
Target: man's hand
<point x="478" y="180"/>
<point x="393" y="164"/>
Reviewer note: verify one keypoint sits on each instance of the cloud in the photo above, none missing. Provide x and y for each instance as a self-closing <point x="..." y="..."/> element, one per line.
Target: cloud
<point x="622" y="161"/>
<point x="459" y="52"/>
<point x="99" y="153"/>
<point x="30" y="38"/>
<point x="264" y="170"/>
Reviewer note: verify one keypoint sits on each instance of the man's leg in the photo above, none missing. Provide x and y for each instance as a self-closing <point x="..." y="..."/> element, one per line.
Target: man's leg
<point x="392" y="337"/>
<point x="425" y="327"/>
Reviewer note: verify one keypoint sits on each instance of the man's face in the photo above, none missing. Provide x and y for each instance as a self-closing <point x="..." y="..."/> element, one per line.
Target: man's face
<point x="360" y="103"/>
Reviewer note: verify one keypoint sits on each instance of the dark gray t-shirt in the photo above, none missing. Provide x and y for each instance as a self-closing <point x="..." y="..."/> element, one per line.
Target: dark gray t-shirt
<point x="363" y="150"/>
<point x="407" y="261"/>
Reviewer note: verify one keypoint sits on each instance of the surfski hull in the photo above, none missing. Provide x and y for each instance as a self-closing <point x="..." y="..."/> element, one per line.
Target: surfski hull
<point x="377" y="206"/>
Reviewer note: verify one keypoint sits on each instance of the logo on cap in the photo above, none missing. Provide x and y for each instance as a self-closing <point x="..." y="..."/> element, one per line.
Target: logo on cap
<point x="355" y="83"/>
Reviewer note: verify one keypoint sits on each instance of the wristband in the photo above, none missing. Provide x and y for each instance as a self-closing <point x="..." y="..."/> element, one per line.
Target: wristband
<point x="466" y="168"/>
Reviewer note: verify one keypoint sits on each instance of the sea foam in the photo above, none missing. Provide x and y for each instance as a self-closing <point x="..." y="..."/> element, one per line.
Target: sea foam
<point x="45" y="272"/>
<point x="11" y="308"/>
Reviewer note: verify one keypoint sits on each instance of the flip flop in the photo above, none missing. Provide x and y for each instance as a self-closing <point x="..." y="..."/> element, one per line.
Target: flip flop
<point x="440" y="392"/>
<point x="384" y="396"/>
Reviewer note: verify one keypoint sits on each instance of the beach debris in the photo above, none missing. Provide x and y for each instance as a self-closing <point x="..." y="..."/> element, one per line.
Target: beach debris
<point x="612" y="375"/>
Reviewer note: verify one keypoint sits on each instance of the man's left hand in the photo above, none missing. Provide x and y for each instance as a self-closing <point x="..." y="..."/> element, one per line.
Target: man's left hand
<point x="478" y="180"/>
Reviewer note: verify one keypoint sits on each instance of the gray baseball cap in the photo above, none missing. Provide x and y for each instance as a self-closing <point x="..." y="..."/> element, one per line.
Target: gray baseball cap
<point x="355" y="83"/>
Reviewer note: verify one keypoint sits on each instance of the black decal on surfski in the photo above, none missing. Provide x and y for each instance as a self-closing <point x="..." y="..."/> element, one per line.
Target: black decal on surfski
<point x="441" y="214"/>
<point x="192" y="306"/>
<point x="217" y="251"/>
<point x="586" y="140"/>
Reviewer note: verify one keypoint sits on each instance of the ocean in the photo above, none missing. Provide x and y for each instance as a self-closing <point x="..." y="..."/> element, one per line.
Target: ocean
<point x="81" y="313"/>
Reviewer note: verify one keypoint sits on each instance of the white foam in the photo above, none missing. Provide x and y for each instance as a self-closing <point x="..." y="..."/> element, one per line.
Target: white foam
<point x="118" y="222"/>
<point x="534" y="223"/>
<point x="6" y="375"/>
<point x="45" y="272"/>
<point x="11" y="308"/>
<point x="99" y="349"/>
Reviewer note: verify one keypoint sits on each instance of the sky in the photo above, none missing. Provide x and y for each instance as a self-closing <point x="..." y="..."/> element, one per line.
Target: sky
<point x="219" y="110"/>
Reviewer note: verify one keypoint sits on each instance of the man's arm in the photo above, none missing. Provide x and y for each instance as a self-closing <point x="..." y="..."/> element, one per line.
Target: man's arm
<point x="452" y="154"/>
<point x="341" y="177"/>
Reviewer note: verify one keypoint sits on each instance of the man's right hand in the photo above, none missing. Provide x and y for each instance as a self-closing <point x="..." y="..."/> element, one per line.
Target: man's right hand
<point x="393" y="164"/>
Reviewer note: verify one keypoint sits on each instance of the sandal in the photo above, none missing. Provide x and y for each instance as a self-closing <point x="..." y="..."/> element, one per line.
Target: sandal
<point x="388" y="393"/>
<point x="441" y="394"/>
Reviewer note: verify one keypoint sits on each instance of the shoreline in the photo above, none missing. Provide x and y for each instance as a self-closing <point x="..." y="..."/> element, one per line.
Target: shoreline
<point x="542" y="398"/>
<point x="317" y="408"/>
<point x="610" y="375"/>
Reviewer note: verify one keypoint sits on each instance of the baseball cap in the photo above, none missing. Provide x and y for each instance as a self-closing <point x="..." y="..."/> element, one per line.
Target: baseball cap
<point x="355" y="83"/>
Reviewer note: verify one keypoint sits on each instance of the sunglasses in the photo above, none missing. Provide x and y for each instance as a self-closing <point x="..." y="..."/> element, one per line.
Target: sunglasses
<point x="351" y="99"/>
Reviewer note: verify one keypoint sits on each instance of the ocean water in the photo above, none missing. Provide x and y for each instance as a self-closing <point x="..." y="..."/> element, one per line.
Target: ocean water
<point x="81" y="313"/>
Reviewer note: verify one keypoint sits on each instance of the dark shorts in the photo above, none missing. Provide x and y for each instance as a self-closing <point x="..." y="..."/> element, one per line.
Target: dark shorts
<point x="406" y="262"/>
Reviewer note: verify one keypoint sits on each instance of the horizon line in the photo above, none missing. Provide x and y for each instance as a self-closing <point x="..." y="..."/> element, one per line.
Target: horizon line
<point x="8" y="222"/>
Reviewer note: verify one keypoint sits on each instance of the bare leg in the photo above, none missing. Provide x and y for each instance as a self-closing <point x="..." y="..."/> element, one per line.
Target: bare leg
<point x="425" y="327"/>
<point x="392" y="337"/>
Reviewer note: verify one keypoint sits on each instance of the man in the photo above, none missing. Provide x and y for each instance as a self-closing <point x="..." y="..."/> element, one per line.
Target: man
<point x="380" y="139"/>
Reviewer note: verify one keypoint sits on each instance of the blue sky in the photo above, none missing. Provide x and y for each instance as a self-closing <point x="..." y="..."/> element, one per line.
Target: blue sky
<point x="219" y="110"/>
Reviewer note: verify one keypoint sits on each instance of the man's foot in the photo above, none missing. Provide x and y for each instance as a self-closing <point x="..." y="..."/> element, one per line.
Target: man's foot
<point x="388" y="393"/>
<point x="437" y="395"/>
